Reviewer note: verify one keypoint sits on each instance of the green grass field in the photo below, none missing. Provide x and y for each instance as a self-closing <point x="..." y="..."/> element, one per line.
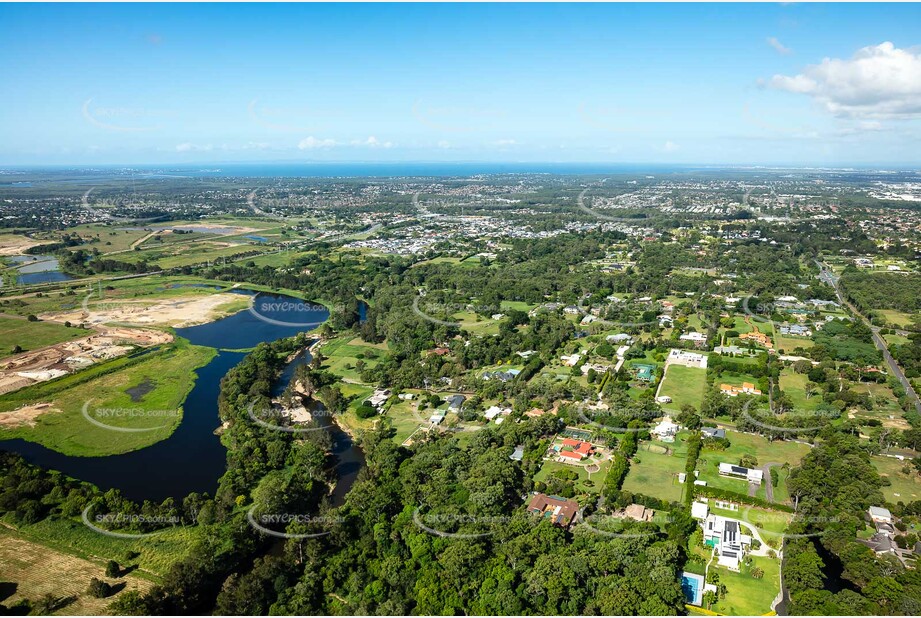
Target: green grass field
<point x="762" y="449"/>
<point x="155" y="553"/>
<point x="343" y="354"/>
<point x="794" y="385"/>
<point x="745" y="595"/>
<point x="597" y="478"/>
<point x="405" y="421"/>
<point x="685" y="385"/>
<point x="33" y="335"/>
<point x="106" y="238"/>
<point x="789" y="344"/>
<point x="904" y="487"/>
<point x="167" y="374"/>
<point x="656" y="474"/>
<point x="769" y="523"/>
<point x="896" y="318"/>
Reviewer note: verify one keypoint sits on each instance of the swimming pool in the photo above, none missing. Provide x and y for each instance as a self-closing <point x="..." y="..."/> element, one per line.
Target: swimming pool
<point x="693" y="586"/>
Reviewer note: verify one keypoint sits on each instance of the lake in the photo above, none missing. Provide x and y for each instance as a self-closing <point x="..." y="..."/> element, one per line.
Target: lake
<point x="193" y="458"/>
<point x="38" y="269"/>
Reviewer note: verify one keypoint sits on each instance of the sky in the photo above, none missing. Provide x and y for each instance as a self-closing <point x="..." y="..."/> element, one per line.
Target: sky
<point x="722" y="84"/>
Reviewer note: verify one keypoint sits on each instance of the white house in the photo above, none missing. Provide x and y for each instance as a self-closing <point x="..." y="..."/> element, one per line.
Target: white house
<point x="694" y="337"/>
<point x="494" y="411"/>
<point x="688" y="359"/>
<point x="725" y="536"/>
<point x="752" y="475"/>
<point x="665" y="430"/>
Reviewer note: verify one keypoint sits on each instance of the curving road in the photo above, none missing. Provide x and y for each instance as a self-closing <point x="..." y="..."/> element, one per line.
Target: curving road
<point x="829" y="277"/>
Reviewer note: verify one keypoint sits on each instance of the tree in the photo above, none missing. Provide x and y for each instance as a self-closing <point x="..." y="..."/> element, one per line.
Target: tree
<point x="99" y="589"/>
<point x="113" y="569"/>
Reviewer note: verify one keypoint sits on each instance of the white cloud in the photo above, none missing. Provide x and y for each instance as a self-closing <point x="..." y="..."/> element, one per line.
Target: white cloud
<point x="880" y="81"/>
<point x="670" y="146"/>
<point x="372" y="142"/>
<point x="187" y="147"/>
<point x="778" y="46"/>
<point x="313" y="143"/>
<point x="444" y="144"/>
<point x="504" y="142"/>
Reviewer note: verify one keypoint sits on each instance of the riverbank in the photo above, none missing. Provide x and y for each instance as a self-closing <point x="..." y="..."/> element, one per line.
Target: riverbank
<point x="111" y="408"/>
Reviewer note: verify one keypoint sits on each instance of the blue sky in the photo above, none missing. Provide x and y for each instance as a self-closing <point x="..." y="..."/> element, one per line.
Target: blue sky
<point x="803" y="84"/>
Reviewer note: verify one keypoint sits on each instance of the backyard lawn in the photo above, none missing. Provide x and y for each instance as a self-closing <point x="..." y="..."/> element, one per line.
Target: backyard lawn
<point x="745" y="595"/>
<point x="904" y="487"/>
<point x="764" y="450"/>
<point x="685" y="385"/>
<point x="654" y="473"/>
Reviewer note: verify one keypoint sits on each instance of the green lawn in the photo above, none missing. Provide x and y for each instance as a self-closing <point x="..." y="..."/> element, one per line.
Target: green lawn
<point x="167" y="375"/>
<point x="794" y="385"/>
<point x="788" y="344"/>
<point x="685" y="385"/>
<point x="885" y="406"/>
<point x="896" y="318"/>
<point x="597" y="478"/>
<point x="769" y="523"/>
<point x="33" y="335"/>
<point x="656" y="474"/>
<point x="405" y="419"/>
<point x="764" y="450"/>
<point x="745" y="595"/>
<point x="155" y="553"/>
<point x="904" y="487"/>
<point x="110" y="238"/>
<point x="344" y="353"/>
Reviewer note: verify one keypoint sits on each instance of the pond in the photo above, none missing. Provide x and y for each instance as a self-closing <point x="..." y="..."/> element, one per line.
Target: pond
<point x="193" y="458"/>
<point x="38" y="269"/>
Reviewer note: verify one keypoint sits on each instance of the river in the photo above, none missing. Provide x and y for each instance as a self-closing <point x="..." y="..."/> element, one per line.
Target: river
<point x="192" y="458"/>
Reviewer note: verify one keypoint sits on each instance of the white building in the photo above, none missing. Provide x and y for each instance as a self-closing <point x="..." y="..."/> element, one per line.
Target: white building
<point x="752" y="475"/>
<point x="665" y="430"/>
<point x="726" y="538"/>
<point x="688" y="359"/>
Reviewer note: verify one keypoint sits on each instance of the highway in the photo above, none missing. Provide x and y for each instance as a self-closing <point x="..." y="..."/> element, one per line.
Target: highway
<point x="829" y="277"/>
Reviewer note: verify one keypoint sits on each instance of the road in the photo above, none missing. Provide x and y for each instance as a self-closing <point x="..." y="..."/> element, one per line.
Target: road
<point x="768" y="483"/>
<point x="831" y="279"/>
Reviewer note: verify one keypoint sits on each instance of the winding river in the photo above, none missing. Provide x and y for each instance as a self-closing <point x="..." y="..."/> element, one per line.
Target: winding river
<point x="192" y="459"/>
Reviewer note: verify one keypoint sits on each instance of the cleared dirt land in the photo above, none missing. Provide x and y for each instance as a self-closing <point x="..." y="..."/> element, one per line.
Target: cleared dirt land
<point x="54" y="361"/>
<point x="178" y="312"/>
<point x="36" y="570"/>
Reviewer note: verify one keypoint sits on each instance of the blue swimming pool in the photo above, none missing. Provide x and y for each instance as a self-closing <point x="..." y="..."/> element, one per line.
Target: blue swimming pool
<point x="693" y="587"/>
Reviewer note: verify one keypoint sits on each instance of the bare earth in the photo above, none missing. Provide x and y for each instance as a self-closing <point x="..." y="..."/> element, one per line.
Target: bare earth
<point x="179" y="312"/>
<point x="37" y="570"/>
<point x="14" y="245"/>
<point x="26" y="415"/>
<point x="56" y="360"/>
